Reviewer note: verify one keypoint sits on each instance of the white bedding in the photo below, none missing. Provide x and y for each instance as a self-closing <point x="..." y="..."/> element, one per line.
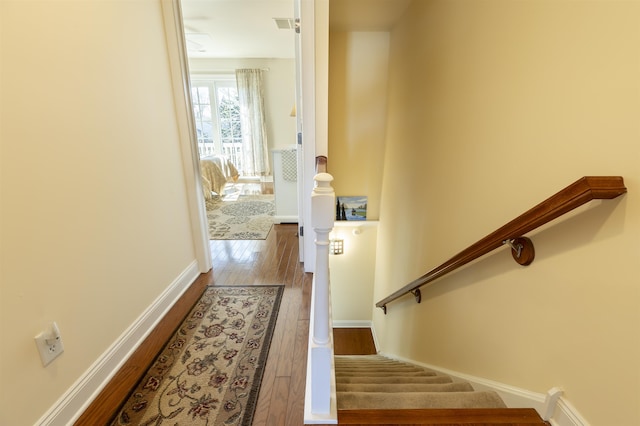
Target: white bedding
<point x="216" y="171"/>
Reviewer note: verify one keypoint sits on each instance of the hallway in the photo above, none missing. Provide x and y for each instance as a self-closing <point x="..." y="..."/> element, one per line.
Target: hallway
<point x="238" y="262"/>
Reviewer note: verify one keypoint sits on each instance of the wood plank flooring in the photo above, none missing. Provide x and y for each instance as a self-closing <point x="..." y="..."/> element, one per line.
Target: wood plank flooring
<point x="353" y="341"/>
<point x="281" y="398"/>
<point x="246" y="262"/>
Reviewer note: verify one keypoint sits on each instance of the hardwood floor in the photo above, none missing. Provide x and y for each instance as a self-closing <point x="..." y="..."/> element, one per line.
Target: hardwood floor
<point x="281" y="398"/>
<point x="353" y="341"/>
<point x="246" y="262"/>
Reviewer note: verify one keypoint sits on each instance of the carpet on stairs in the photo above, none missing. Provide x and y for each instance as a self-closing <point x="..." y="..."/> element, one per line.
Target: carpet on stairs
<point x="376" y="382"/>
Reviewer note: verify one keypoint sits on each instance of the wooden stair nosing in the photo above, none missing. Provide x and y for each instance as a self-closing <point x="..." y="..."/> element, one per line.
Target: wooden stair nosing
<point x="449" y="416"/>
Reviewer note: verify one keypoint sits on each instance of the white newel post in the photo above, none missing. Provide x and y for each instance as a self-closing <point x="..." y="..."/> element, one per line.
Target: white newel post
<point x="322" y="217"/>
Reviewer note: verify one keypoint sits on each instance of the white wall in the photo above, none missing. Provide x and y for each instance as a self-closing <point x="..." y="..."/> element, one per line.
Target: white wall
<point x="94" y="222"/>
<point x="495" y="105"/>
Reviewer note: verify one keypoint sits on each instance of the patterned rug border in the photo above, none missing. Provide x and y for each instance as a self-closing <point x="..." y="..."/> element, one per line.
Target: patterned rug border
<point x="247" y="418"/>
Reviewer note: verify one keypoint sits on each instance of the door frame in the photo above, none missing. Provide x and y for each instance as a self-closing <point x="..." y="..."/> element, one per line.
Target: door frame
<point x="314" y="83"/>
<point x="176" y="49"/>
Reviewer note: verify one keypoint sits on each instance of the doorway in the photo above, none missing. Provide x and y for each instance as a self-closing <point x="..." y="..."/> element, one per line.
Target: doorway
<point x="223" y="37"/>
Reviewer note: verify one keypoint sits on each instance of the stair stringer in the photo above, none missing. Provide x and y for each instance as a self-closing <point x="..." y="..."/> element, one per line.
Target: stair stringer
<point x="563" y="413"/>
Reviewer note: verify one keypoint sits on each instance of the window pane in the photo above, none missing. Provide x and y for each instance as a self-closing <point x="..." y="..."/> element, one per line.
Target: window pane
<point x="225" y="129"/>
<point x="236" y="129"/>
<point x="206" y="113"/>
<point x="203" y="94"/>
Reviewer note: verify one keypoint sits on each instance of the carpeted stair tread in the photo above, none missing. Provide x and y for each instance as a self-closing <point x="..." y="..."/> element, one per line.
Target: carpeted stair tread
<point x="380" y="370"/>
<point x="375" y="365"/>
<point x="372" y="366"/>
<point x="391" y="379"/>
<point x="386" y="373"/>
<point x="417" y="400"/>
<point x="340" y="361"/>
<point x="404" y="387"/>
<point x="365" y="358"/>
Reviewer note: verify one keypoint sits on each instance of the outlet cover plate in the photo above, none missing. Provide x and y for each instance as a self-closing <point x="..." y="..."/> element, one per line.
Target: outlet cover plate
<point x="48" y="352"/>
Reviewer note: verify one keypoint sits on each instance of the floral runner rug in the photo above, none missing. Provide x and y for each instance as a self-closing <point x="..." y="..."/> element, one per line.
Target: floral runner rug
<point x="250" y="217"/>
<point x="209" y="372"/>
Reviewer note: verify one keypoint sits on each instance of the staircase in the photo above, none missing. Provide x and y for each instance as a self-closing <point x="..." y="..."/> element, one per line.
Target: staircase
<point x="373" y="389"/>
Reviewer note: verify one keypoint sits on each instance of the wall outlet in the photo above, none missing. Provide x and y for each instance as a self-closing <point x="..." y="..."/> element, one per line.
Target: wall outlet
<point x="49" y="345"/>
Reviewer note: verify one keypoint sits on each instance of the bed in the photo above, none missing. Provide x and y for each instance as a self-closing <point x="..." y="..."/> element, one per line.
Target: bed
<point x="216" y="171"/>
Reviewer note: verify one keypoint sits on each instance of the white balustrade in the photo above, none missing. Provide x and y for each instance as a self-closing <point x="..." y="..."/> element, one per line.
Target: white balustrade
<point x="205" y="149"/>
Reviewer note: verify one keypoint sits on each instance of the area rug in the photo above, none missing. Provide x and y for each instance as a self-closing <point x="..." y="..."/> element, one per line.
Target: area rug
<point x="250" y="217"/>
<point x="209" y="372"/>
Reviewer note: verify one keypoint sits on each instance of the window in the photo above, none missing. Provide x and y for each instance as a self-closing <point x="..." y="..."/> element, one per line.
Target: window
<point x="216" y="110"/>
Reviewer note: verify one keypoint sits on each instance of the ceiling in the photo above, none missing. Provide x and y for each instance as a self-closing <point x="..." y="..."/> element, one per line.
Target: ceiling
<point x="365" y="15"/>
<point x="237" y="28"/>
<point x="247" y="29"/>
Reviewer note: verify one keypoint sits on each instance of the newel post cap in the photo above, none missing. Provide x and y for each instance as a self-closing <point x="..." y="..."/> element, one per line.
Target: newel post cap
<point x="323" y="182"/>
<point x="322" y="202"/>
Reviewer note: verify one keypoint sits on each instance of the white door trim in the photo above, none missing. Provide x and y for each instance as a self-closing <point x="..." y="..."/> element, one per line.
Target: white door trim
<point x="179" y="65"/>
<point x="314" y="43"/>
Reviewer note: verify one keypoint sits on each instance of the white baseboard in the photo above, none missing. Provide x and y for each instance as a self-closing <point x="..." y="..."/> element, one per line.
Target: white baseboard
<point x="563" y="413"/>
<point x="567" y="415"/>
<point x="78" y="397"/>
<point x="352" y="324"/>
<point x="285" y="219"/>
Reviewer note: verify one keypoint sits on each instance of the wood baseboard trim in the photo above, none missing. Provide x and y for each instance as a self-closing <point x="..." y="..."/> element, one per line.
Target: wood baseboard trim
<point x="80" y="395"/>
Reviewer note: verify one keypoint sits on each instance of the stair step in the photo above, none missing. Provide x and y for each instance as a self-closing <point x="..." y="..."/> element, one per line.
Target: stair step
<point x="404" y="387"/>
<point x="391" y="379"/>
<point x="406" y="400"/>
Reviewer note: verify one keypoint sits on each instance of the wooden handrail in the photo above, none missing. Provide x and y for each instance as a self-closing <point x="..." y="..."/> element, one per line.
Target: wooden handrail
<point x="578" y="193"/>
<point x="321" y="164"/>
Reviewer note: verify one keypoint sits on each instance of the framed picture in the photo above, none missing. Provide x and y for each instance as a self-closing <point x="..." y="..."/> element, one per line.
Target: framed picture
<point x="351" y="208"/>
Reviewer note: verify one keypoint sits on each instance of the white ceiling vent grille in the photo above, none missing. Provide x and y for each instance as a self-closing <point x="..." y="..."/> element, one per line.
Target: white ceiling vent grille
<point x="285" y="23"/>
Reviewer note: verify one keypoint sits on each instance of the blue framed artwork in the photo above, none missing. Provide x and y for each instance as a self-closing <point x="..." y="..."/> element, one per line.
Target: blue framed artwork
<point x="351" y="208"/>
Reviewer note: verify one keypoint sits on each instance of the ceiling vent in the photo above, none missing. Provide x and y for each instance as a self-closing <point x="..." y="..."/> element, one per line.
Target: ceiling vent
<point x="285" y="23"/>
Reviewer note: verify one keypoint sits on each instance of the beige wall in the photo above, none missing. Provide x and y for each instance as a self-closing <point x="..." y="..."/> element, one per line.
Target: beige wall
<point x="493" y="107"/>
<point x="279" y="92"/>
<point x="358" y="63"/>
<point x="94" y="222"/>
<point x="353" y="273"/>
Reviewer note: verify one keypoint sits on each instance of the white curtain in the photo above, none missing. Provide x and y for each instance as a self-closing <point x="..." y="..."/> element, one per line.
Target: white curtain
<point x="252" y="118"/>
